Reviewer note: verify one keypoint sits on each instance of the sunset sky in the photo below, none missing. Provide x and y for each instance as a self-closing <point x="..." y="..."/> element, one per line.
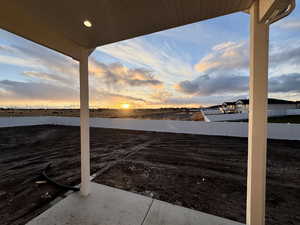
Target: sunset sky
<point x="203" y="63"/>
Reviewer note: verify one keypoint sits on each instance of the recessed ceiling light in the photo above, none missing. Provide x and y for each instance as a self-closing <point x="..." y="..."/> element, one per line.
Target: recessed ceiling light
<point x="87" y="23"/>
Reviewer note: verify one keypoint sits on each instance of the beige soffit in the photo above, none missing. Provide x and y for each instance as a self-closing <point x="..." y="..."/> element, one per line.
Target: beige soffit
<point x="58" y="24"/>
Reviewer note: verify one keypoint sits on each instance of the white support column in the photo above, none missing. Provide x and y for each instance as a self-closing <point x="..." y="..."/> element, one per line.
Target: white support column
<point x="257" y="131"/>
<point x="84" y="124"/>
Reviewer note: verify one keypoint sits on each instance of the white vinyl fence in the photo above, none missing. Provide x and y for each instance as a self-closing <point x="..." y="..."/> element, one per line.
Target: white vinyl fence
<point x="235" y="129"/>
<point x="244" y="115"/>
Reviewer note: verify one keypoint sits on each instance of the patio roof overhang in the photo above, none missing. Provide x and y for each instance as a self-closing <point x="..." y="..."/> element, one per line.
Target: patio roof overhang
<point x="58" y="24"/>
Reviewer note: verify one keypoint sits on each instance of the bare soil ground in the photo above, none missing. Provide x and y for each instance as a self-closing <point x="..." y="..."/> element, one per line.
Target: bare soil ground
<point x="157" y="114"/>
<point x="206" y="173"/>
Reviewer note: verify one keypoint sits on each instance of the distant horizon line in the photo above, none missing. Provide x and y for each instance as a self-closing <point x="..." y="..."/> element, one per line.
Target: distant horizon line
<point x="105" y="108"/>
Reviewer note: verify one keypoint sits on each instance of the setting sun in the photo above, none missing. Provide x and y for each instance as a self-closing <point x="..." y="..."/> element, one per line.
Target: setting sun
<point x="125" y="106"/>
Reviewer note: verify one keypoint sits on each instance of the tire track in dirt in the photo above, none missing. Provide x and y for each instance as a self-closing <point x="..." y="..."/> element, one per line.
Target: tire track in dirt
<point x="121" y="158"/>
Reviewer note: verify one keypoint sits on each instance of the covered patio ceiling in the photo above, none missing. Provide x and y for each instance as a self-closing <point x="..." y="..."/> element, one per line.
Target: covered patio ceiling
<point x="58" y="24"/>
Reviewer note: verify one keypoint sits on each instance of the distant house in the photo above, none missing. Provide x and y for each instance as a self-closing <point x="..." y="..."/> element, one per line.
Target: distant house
<point x="212" y="110"/>
<point x="228" y="107"/>
<point x="242" y="105"/>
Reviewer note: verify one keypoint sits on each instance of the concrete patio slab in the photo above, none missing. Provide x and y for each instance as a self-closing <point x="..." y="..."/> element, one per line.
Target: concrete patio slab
<point x="104" y="206"/>
<point x="162" y="213"/>
<point x="110" y="206"/>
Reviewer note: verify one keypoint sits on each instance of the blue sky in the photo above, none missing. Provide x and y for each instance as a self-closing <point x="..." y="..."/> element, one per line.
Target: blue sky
<point x="203" y="63"/>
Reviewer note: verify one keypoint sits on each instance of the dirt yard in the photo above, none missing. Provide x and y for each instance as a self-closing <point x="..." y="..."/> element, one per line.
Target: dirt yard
<point x="154" y="114"/>
<point x="206" y="173"/>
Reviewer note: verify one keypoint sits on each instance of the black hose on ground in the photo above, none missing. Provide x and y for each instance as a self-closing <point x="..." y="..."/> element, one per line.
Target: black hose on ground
<point x="50" y="180"/>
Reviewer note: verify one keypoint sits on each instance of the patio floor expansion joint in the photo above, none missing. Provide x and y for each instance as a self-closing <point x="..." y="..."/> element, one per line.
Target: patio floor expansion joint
<point x="147" y="212"/>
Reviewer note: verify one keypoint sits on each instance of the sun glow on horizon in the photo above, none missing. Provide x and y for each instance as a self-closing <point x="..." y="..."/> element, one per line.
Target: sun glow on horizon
<point x="125" y="106"/>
